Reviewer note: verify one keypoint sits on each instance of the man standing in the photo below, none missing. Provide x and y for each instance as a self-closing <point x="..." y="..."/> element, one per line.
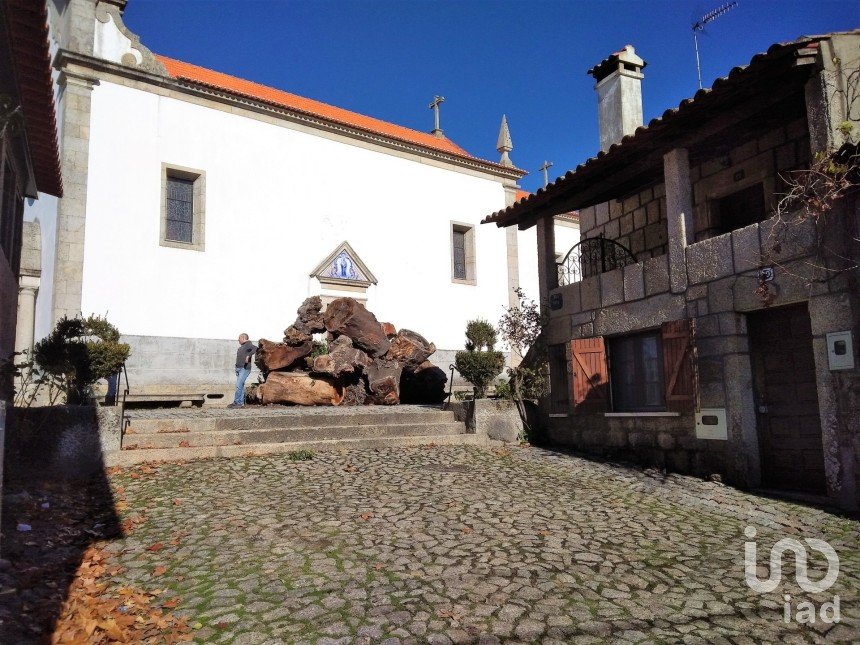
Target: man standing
<point x="246" y="351"/>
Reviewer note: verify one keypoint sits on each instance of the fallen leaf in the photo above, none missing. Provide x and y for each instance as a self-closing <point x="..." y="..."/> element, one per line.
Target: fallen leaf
<point x="366" y="516"/>
<point x="155" y="548"/>
<point x="159" y="570"/>
<point x="379" y="566"/>
<point x="170" y="604"/>
<point x="184" y="444"/>
<point x="467" y="529"/>
<point x="177" y="502"/>
<point x="544" y="533"/>
<point x="222" y="625"/>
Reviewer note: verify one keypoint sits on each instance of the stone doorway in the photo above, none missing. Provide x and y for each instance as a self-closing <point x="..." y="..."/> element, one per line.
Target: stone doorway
<point x="786" y="399"/>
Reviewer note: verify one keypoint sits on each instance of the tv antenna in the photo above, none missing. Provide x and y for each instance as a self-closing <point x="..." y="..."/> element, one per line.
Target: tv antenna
<point x="699" y="25"/>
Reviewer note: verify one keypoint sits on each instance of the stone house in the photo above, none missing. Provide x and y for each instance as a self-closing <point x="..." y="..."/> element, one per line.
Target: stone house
<point x="691" y="329"/>
<point x="29" y="161"/>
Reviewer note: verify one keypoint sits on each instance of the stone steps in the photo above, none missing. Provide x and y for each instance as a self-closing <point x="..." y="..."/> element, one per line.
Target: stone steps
<point x="135" y="441"/>
<point x="132" y="457"/>
<point x="175" y="434"/>
<point x="189" y="422"/>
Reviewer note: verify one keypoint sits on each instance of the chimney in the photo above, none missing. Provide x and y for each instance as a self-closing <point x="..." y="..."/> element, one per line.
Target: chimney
<point x="619" y="95"/>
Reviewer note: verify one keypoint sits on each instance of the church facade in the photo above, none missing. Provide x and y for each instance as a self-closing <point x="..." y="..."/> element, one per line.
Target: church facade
<point x="200" y="205"/>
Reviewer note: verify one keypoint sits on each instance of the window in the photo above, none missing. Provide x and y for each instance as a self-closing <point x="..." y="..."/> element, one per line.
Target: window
<point x="740" y="209"/>
<point x="558" y="383"/>
<point x="182" y="207"/>
<point x="11" y="207"/>
<point x="180" y="210"/>
<point x="462" y="253"/>
<point x="653" y="371"/>
<point x="636" y="373"/>
<point x="459" y="255"/>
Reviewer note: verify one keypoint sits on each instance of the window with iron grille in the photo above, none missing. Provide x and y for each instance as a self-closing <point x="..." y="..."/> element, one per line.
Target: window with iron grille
<point x="180" y="210"/>
<point x="183" y="207"/>
<point x="636" y="373"/>
<point x="460" y="255"/>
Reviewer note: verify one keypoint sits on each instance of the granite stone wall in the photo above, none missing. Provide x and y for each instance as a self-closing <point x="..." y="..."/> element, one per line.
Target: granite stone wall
<point x="723" y="275"/>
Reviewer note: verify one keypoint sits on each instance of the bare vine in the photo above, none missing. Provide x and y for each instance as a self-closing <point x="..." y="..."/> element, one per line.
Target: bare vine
<point x="811" y="196"/>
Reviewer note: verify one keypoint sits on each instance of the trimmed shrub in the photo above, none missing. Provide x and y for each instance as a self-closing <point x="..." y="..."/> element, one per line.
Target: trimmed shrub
<point x="78" y="353"/>
<point x="480" y="364"/>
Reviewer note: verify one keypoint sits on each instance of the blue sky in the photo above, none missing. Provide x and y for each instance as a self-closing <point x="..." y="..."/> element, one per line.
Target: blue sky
<point x="387" y="58"/>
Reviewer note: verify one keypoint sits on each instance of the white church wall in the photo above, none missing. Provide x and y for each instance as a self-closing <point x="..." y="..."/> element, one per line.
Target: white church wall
<point x="566" y="237"/>
<point x="278" y="201"/>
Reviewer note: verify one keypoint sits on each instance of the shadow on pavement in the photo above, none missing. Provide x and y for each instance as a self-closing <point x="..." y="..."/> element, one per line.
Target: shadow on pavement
<point x="51" y="516"/>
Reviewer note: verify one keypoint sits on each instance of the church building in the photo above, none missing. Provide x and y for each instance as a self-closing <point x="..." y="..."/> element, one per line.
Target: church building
<point x="199" y="205"/>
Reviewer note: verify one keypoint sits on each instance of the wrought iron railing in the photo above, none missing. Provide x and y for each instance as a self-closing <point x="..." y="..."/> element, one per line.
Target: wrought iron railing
<point x="593" y="256"/>
<point x="121" y="400"/>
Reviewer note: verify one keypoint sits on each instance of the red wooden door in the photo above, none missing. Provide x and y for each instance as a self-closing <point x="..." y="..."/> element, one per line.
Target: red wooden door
<point x="789" y="425"/>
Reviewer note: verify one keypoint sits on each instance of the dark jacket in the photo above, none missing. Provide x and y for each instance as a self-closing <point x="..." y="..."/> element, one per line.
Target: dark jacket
<point x="244" y="353"/>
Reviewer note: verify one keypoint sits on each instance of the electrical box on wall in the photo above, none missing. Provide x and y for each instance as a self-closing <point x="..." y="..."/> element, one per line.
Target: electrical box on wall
<point x="840" y="350"/>
<point x="711" y="424"/>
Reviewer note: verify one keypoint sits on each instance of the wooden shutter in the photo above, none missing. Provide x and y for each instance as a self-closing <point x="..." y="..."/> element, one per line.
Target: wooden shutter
<point x="679" y="365"/>
<point x="590" y="374"/>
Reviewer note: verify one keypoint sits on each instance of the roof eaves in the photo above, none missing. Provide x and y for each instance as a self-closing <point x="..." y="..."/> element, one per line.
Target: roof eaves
<point x="29" y="34"/>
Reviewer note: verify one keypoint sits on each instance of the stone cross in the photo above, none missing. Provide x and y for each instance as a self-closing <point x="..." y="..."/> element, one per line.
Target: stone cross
<point x="437" y="101"/>
<point x="546" y="166"/>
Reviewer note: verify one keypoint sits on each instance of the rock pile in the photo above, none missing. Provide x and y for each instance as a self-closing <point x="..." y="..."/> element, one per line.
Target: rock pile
<point x="368" y="362"/>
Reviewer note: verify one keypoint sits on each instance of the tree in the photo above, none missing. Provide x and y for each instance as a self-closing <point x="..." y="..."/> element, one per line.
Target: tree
<point x="520" y="327"/>
<point x="79" y="352"/>
<point x="480" y="364"/>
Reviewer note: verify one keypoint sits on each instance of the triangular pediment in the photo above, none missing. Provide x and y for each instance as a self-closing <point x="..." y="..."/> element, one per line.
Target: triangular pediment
<point x="343" y="266"/>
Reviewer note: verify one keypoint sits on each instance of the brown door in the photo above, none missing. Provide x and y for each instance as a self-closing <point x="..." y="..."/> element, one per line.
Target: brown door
<point x="789" y="426"/>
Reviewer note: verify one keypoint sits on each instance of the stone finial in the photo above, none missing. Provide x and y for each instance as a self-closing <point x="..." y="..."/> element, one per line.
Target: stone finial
<point x="504" y="144"/>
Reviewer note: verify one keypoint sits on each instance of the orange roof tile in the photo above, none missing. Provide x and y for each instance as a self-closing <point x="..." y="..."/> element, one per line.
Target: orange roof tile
<point x="522" y="194"/>
<point x="200" y="75"/>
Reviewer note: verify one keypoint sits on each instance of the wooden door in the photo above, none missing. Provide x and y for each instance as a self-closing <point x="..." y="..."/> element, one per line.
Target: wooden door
<point x="789" y="425"/>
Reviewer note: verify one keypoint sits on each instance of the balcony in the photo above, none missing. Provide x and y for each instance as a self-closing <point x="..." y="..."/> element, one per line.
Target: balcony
<point x="592" y="257"/>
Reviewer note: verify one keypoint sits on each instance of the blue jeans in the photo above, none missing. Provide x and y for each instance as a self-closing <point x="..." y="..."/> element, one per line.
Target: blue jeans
<point x="241" y="376"/>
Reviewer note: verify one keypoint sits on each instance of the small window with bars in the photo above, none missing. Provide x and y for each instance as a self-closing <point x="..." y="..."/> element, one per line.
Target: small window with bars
<point x="460" y="255"/>
<point x="180" y="210"/>
<point x="463" y="253"/>
<point x="183" y="199"/>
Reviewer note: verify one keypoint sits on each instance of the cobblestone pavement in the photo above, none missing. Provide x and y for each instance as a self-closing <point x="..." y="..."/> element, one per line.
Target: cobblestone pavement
<point x="463" y="544"/>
